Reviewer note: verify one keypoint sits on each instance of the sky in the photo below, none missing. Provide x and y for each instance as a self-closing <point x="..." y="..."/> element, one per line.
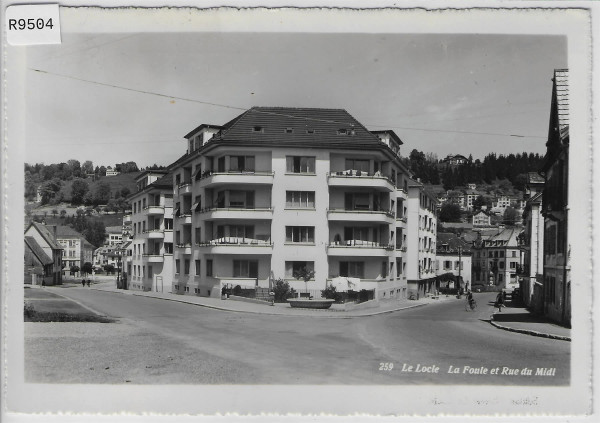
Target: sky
<point x="113" y="98"/>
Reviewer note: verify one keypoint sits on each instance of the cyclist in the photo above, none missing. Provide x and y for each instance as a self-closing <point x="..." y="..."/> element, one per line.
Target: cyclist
<point x="471" y="301"/>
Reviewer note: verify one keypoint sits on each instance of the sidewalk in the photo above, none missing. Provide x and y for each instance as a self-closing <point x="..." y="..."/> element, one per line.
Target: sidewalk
<point x="516" y="318"/>
<point x="278" y="309"/>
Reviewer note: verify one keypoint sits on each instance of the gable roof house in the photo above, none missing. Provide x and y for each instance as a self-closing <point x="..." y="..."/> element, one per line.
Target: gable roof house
<point x="43" y="255"/>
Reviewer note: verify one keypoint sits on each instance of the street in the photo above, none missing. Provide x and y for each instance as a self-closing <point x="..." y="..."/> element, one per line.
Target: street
<point x="156" y="341"/>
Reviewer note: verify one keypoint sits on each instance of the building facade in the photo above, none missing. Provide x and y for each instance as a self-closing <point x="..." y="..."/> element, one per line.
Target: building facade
<point x="453" y="256"/>
<point x="277" y="190"/>
<point x="147" y="261"/>
<point x="555" y="202"/>
<point x="496" y="258"/>
<point x="422" y="230"/>
<point x="76" y="250"/>
<point x="531" y="271"/>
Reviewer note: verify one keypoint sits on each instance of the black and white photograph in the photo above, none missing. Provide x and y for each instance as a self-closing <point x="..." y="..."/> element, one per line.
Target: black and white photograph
<point x="274" y="210"/>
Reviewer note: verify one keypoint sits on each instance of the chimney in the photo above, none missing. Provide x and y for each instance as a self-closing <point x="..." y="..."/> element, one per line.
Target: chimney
<point x="54" y="231"/>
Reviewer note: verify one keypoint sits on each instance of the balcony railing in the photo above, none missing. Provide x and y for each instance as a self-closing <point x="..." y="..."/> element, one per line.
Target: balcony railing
<point x="359" y="174"/>
<point x="235" y="241"/>
<point x="388" y="213"/>
<point x="216" y="208"/>
<point x="184" y="245"/>
<point x="209" y="173"/>
<point x="357" y="243"/>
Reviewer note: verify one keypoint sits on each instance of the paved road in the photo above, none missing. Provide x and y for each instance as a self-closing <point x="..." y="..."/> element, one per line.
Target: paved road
<point x="159" y="341"/>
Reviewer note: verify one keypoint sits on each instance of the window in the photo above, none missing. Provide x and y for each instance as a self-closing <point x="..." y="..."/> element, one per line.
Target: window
<point x="310" y="131"/>
<point x="177" y="262"/>
<point x="353" y="269"/>
<point x="514" y="254"/>
<point x="289" y="130"/>
<point x="209" y="267"/>
<point x="300" y="234"/>
<point x="257" y="129"/>
<point x="186" y="267"/>
<point x="197" y="235"/>
<point x="300" y="164"/>
<point x="357" y="233"/>
<point x="197" y="263"/>
<point x="178" y="237"/>
<point x="513" y="265"/>
<point x="501" y="265"/>
<point x="197" y="206"/>
<point x="447" y="265"/>
<point x="356" y="201"/>
<point x="398" y="267"/>
<point x="300" y="199"/>
<point x="241" y="163"/>
<point x="168" y="248"/>
<point x="144" y="203"/>
<point x="241" y="199"/>
<point x="384" y="269"/>
<point x="357" y="164"/>
<point x="245" y="269"/>
<point x="501" y="254"/>
<point x="292" y="267"/>
<point x="169" y="224"/>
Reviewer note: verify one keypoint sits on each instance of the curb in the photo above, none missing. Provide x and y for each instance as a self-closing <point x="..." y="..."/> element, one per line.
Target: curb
<point x="529" y="332"/>
<point x="260" y="312"/>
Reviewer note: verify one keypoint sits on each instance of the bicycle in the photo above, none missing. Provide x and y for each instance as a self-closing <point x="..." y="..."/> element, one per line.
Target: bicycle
<point x="471" y="305"/>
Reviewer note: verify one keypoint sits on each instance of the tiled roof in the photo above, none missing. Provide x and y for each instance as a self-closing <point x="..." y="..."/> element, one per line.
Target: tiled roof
<point x="163" y="181"/>
<point x="446" y="240"/>
<point x="114" y="229"/>
<point x="534" y="178"/>
<point x="561" y="81"/>
<point x="67" y="232"/>
<point x="298" y="127"/>
<point x="38" y="251"/>
<point x="47" y="234"/>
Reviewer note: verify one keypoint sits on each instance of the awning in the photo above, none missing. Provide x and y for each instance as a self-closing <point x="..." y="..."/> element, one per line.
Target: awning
<point x="197" y="206"/>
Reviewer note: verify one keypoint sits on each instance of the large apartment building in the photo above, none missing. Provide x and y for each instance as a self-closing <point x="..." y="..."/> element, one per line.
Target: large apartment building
<point x="277" y="190"/>
<point x="148" y="260"/>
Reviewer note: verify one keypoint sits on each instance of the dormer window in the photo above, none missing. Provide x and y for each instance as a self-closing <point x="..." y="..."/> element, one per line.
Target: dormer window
<point x="289" y="130"/>
<point x="310" y="131"/>
<point x="342" y="131"/>
<point x="257" y="129"/>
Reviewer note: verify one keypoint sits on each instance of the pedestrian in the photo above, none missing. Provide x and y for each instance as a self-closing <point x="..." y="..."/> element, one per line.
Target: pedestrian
<point x="83" y="283"/>
<point x="499" y="301"/>
<point x="88" y="282"/>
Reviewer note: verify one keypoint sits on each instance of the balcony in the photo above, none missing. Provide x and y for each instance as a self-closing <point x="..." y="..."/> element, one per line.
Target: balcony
<point x="185" y="219"/>
<point x="153" y="258"/>
<point x="235" y="245"/>
<point x="154" y="234"/>
<point x="358" y="248"/>
<point x="214" y="213"/>
<point x="357" y="178"/>
<point x="401" y="219"/>
<point x="184" y="248"/>
<point x="213" y="179"/>
<point x="154" y="210"/>
<point x="184" y="188"/>
<point x="375" y="216"/>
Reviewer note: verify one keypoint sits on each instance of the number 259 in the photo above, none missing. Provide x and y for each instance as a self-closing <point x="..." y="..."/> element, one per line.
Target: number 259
<point x="386" y="366"/>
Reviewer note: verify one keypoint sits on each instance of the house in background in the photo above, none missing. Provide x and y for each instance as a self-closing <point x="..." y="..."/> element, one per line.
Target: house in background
<point x="110" y="171"/>
<point x="454" y="160"/>
<point x="43" y="255"/>
<point x="114" y="235"/>
<point x="496" y="257"/>
<point x="76" y="249"/>
<point x="482" y="218"/>
<point x="453" y="255"/>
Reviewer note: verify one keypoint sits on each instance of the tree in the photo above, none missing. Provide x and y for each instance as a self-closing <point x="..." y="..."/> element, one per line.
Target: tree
<point x="54" y="213"/>
<point x="102" y="193"/>
<point x="63" y="213"/>
<point x="282" y="290"/>
<point x="87" y="268"/>
<point x="79" y="189"/>
<point x="125" y="192"/>
<point x="510" y="216"/>
<point x="305" y="274"/>
<point x="478" y="203"/>
<point x="74" y="269"/>
<point x="87" y="167"/>
<point x="450" y="212"/>
<point x="49" y="189"/>
<point x="109" y="268"/>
